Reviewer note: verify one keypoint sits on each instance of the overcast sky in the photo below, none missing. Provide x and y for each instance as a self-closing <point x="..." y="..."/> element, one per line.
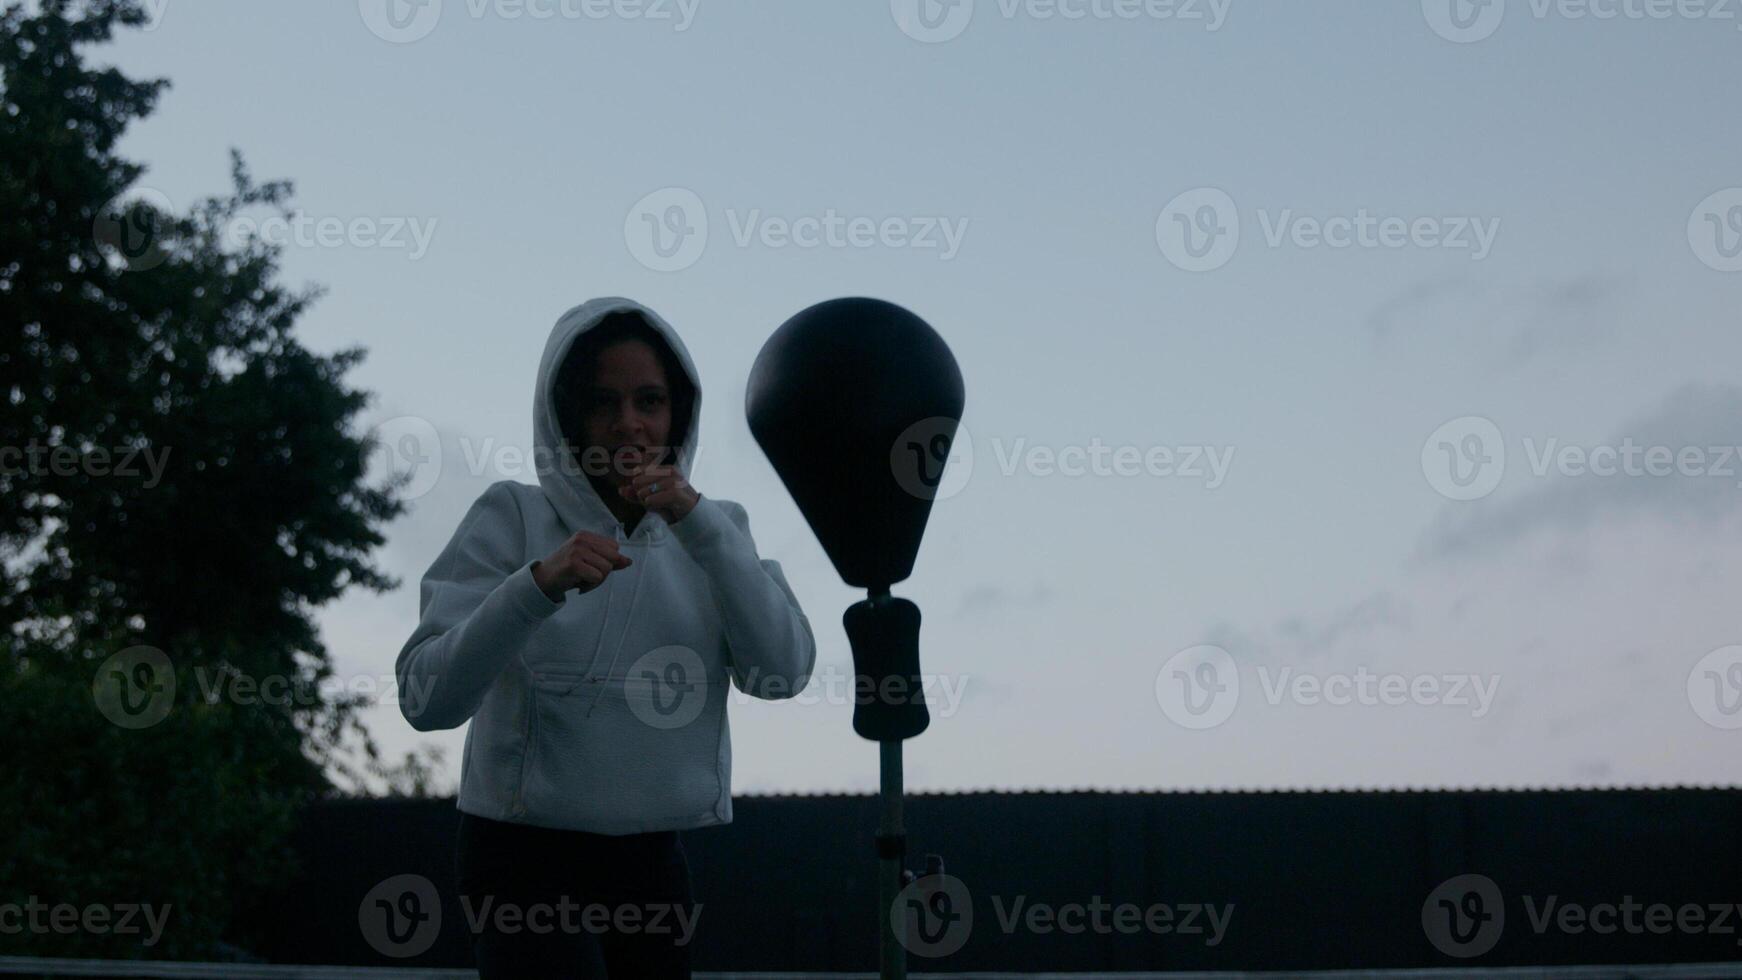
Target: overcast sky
<point x="1248" y="297"/>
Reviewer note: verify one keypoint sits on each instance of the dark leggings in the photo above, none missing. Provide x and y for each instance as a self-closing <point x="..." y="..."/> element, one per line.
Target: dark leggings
<point x="565" y="903"/>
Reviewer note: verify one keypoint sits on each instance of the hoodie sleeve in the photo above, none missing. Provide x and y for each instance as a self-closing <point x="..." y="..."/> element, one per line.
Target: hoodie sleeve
<point x="479" y="604"/>
<point x="772" y="648"/>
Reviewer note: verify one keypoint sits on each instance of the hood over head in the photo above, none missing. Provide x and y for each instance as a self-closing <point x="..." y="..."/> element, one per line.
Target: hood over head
<point x="567" y="487"/>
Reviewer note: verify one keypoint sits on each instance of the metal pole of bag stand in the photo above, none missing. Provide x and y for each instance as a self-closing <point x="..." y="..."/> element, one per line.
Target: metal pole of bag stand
<point x="892" y="954"/>
<point x="883" y="632"/>
<point x="866" y="489"/>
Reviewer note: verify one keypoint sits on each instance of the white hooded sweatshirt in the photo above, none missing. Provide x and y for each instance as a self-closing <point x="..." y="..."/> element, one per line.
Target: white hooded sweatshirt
<point x="605" y="711"/>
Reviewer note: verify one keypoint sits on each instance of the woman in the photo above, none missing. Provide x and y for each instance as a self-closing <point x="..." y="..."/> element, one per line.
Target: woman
<point x="587" y="628"/>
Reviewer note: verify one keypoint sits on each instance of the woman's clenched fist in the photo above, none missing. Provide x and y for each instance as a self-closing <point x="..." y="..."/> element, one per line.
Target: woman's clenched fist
<point x="581" y="563"/>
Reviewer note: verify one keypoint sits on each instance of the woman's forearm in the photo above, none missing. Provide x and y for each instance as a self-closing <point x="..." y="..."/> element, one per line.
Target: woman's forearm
<point x="773" y="650"/>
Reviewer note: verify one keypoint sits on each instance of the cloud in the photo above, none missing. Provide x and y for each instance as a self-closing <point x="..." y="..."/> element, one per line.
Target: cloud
<point x="1501" y="324"/>
<point x="981" y="600"/>
<point x="1703" y="417"/>
<point x="1588" y="672"/>
<point x="1293" y="637"/>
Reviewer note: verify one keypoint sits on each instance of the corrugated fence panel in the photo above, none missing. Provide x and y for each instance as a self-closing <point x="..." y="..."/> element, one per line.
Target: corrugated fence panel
<point x="1315" y="881"/>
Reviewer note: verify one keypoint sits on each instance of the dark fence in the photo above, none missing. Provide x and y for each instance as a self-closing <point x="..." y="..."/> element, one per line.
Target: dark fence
<point x="1298" y="881"/>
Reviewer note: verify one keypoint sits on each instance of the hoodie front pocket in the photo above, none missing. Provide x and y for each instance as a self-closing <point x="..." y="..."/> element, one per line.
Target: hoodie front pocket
<point x="560" y="680"/>
<point x="626" y="751"/>
<point x="567" y="645"/>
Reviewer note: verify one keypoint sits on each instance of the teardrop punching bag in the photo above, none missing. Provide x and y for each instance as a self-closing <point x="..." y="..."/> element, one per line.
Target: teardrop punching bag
<point x="830" y="393"/>
<point x="856" y="402"/>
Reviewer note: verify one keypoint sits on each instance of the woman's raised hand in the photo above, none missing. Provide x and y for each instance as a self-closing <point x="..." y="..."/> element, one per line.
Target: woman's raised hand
<point x="663" y="490"/>
<point x="581" y="563"/>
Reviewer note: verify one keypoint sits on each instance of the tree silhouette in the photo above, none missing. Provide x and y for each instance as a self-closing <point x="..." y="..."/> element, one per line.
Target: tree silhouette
<point x="133" y="334"/>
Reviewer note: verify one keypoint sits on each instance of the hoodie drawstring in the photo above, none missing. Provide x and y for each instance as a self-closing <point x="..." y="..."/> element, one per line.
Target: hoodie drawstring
<point x="634" y="594"/>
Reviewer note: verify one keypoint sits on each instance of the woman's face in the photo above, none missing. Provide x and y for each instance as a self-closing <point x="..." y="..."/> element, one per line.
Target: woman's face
<point x="626" y="411"/>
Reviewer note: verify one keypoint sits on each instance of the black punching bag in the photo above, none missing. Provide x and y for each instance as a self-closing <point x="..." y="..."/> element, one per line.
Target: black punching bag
<point x="855" y="402"/>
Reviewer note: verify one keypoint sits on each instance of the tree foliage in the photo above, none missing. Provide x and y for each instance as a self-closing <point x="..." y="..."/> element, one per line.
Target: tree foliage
<point x="133" y="332"/>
